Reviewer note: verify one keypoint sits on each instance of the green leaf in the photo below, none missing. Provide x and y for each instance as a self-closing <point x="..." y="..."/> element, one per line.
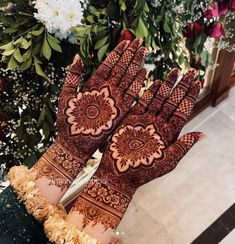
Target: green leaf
<point x="38" y="32"/>
<point x="19" y="40"/>
<point x="25" y="44"/>
<point x="39" y="70"/>
<point x="102" y="51"/>
<point x="18" y="56"/>
<point x="52" y="38"/>
<point x="46" y="130"/>
<point x="101" y="42"/>
<point x="41" y="118"/>
<point x="122" y="5"/>
<point x="166" y="25"/>
<point x="46" y="50"/>
<point x="90" y="19"/>
<point x="8" y="53"/>
<point x="141" y="30"/>
<point x="54" y="43"/>
<point x="10" y="30"/>
<point x="26" y="65"/>
<point x="27" y="55"/>
<point x="181" y="58"/>
<point x="7" y="47"/>
<point x="12" y="64"/>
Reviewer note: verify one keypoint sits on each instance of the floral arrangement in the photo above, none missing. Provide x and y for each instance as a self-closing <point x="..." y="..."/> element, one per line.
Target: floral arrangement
<point x="40" y="37"/>
<point x="59" y="19"/>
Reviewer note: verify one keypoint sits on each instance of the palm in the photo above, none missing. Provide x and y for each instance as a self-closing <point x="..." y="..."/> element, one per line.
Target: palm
<point x="86" y="118"/>
<point x="144" y="145"/>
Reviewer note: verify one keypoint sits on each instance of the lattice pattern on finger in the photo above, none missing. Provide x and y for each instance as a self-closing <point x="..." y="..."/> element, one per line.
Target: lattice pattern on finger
<point x="133" y="69"/>
<point x="122" y="46"/>
<point x="138" y="82"/>
<point x="185" y="107"/>
<point x="173" y="75"/>
<point x="164" y="90"/>
<point x="126" y="58"/>
<point x="148" y="96"/>
<point x="191" y="138"/>
<point x="188" y="77"/>
<point x="177" y="95"/>
<point x="72" y="79"/>
<point x="135" y="44"/>
<point x="125" y="83"/>
<point x="136" y="86"/>
<point x="112" y="59"/>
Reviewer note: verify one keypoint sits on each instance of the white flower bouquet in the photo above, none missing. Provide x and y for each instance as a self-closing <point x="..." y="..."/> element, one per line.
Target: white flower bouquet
<point x="59" y="16"/>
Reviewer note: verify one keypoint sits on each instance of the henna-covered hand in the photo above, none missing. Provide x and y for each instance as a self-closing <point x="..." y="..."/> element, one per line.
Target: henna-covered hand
<point x="86" y="117"/>
<point x="143" y="147"/>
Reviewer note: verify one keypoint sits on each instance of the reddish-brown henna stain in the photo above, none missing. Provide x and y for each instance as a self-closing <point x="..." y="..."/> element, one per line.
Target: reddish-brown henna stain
<point x="142" y="148"/>
<point x="86" y="118"/>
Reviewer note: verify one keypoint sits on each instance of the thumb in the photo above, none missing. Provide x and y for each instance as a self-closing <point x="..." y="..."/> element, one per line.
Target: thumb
<point x="73" y="76"/>
<point x="176" y="151"/>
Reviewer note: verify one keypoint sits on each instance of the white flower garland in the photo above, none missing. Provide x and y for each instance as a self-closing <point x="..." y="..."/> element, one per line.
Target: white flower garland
<point x="59" y="16"/>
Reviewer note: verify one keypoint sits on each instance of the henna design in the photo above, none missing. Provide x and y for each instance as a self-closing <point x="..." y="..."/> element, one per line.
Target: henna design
<point x="134" y="146"/>
<point x="59" y="166"/>
<point x="91" y="113"/>
<point x="86" y="118"/>
<point x="101" y="195"/>
<point x="142" y="148"/>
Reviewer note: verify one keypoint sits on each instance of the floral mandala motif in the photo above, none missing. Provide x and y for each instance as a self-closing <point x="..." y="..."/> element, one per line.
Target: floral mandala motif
<point x="91" y="112"/>
<point x="133" y="146"/>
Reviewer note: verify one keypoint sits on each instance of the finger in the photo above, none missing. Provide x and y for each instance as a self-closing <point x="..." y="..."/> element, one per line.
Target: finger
<point x="184" y="109"/>
<point x="132" y="69"/>
<point x="175" y="152"/>
<point x="164" y="91"/>
<point x="73" y="77"/>
<point x="132" y="93"/>
<point x="143" y="103"/>
<point x="178" y="94"/>
<point x="120" y="68"/>
<point x="105" y="68"/>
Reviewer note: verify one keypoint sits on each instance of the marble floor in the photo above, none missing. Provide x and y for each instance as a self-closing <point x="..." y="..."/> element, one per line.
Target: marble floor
<point x="178" y="207"/>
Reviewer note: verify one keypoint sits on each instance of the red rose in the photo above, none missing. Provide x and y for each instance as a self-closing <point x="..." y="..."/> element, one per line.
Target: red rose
<point x="212" y="11"/>
<point x="188" y="32"/>
<point x="127" y="35"/>
<point x="232" y="5"/>
<point x="2" y="84"/>
<point x="223" y="7"/>
<point x="193" y="29"/>
<point x="197" y="27"/>
<point x="216" y="30"/>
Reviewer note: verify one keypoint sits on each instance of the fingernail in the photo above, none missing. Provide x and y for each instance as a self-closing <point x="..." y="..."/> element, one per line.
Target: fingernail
<point x="201" y="135"/>
<point x="76" y="59"/>
<point x="193" y="71"/>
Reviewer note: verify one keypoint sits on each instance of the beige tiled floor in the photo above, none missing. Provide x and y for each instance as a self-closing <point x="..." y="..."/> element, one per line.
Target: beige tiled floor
<point x="176" y="208"/>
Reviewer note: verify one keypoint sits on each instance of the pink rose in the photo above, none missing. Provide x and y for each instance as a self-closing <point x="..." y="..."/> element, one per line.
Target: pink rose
<point x="232" y="5"/>
<point x="223" y="7"/>
<point x="212" y="11"/>
<point x="216" y="30"/>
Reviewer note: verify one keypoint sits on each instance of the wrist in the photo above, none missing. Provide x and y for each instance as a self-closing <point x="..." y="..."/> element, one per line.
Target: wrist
<point x="58" y="166"/>
<point x="102" y="203"/>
